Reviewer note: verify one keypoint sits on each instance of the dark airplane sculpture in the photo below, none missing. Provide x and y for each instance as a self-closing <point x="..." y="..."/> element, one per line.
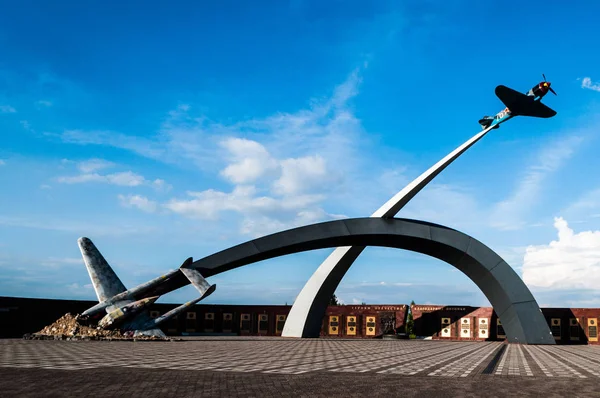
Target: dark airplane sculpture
<point x="518" y="104"/>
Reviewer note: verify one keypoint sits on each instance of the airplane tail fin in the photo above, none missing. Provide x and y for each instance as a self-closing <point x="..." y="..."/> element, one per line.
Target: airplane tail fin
<point x="106" y="282"/>
<point x="485" y="122"/>
<point x="201" y="284"/>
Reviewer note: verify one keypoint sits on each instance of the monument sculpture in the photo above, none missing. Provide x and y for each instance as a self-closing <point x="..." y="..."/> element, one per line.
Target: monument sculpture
<point x="511" y="299"/>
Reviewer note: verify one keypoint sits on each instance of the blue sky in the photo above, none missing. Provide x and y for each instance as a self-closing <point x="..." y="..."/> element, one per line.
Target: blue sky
<point x="162" y="132"/>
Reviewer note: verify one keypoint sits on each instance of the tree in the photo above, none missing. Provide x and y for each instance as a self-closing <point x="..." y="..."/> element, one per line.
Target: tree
<point x="410" y="323"/>
<point x="334" y="300"/>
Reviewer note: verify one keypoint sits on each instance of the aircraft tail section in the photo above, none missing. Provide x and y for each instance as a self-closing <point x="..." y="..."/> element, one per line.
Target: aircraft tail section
<point x="485" y="122"/>
<point x="106" y="283"/>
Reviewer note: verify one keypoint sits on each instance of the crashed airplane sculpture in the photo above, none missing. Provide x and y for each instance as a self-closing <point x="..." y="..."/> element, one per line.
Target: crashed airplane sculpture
<point x="128" y="309"/>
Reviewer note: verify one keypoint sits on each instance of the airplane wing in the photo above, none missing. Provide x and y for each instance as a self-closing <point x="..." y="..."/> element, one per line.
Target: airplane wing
<point x="521" y="104"/>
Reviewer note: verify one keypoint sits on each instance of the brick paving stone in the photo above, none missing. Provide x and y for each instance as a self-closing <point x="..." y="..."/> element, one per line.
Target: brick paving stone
<point x="117" y="382"/>
<point x="265" y="367"/>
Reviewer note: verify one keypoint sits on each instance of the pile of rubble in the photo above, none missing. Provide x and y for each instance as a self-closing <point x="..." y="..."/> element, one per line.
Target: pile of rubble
<point x="69" y="327"/>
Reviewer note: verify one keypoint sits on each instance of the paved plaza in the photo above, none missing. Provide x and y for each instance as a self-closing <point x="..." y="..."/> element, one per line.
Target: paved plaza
<point x="238" y="366"/>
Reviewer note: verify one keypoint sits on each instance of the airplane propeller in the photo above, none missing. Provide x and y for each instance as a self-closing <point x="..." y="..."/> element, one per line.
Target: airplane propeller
<point x="549" y="88"/>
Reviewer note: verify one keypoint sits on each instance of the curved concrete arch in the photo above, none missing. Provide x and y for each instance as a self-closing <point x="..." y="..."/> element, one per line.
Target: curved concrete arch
<point x="516" y="307"/>
<point x="335" y="266"/>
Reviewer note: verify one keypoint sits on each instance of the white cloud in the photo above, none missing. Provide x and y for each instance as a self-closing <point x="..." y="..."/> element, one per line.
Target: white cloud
<point x="182" y="139"/>
<point x="249" y="161"/>
<point x="301" y="175"/>
<point x="161" y="185"/>
<point x="587" y="83"/>
<point x="513" y="255"/>
<point x="391" y="179"/>
<point x="139" y="202"/>
<point x="45" y="103"/>
<point x="243" y="199"/>
<point x="7" y="109"/>
<point x="2" y="162"/>
<point x="509" y="214"/>
<point x="73" y="226"/>
<point x="571" y="298"/>
<point x="126" y="178"/>
<point x="571" y="262"/>
<point x="91" y="165"/>
<point x="26" y="125"/>
<point x="77" y="289"/>
<point x="157" y="149"/>
<point x="347" y="89"/>
<point x="282" y="167"/>
<point x="588" y="205"/>
<point x="257" y="226"/>
<point x="261" y="214"/>
<point x="448" y="205"/>
<point x="271" y="189"/>
<point x="327" y="128"/>
<point x="54" y="262"/>
<point x="89" y="173"/>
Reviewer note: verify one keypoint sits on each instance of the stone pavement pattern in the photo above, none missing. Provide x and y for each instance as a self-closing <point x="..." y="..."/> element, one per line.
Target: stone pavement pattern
<point x="242" y="366"/>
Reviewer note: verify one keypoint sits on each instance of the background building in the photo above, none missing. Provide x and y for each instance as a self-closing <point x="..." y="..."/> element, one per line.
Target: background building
<point x="19" y="316"/>
<point x="568" y="325"/>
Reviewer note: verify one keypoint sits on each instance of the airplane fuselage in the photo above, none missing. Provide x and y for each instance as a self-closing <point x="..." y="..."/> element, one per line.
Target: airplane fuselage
<point x="501" y="117"/>
<point x="539" y="90"/>
<point x="494" y="122"/>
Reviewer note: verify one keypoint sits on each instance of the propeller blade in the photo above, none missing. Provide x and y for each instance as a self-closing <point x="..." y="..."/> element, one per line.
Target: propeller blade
<point x="553" y="92"/>
<point x="544" y="76"/>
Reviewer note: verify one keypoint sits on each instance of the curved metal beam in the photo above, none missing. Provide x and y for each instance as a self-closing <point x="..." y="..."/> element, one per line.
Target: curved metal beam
<point x="513" y="302"/>
<point x="316" y="291"/>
